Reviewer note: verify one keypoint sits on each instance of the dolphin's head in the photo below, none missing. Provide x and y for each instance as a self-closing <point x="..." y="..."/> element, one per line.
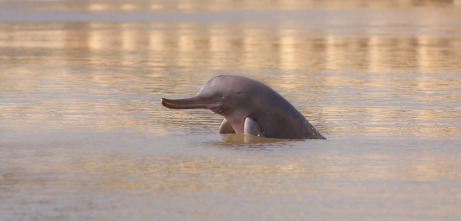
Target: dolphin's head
<point x="224" y="95"/>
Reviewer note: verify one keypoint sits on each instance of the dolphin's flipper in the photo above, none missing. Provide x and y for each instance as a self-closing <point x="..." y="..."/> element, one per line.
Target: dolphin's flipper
<point x="252" y="127"/>
<point x="226" y="128"/>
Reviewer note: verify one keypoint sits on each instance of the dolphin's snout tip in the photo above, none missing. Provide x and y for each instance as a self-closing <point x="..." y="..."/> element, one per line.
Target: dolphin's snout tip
<point x="173" y="104"/>
<point x="163" y="102"/>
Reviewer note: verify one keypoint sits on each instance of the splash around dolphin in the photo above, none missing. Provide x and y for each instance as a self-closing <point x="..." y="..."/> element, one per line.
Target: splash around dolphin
<point x="248" y="106"/>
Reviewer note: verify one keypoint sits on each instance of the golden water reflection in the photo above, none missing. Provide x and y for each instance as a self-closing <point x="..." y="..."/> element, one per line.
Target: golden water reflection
<point x="389" y="72"/>
<point x="82" y="132"/>
<point x="194" y="45"/>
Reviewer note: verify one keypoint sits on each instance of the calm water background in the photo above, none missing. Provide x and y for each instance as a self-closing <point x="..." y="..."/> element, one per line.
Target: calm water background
<point x="83" y="135"/>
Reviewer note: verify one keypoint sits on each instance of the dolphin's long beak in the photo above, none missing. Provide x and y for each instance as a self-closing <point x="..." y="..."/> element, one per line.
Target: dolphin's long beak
<point x="188" y="103"/>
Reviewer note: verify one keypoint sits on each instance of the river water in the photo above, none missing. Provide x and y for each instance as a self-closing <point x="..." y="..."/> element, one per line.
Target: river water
<point x="83" y="135"/>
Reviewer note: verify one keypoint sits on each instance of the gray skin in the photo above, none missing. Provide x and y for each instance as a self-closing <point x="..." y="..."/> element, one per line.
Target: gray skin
<point x="248" y="106"/>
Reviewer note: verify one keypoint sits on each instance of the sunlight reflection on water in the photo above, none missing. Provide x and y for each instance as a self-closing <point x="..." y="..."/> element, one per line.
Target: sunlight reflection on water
<point x="83" y="134"/>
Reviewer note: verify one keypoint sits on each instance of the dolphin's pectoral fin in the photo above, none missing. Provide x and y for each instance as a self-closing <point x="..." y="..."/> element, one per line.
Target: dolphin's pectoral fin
<point x="252" y="127"/>
<point x="226" y="128"/>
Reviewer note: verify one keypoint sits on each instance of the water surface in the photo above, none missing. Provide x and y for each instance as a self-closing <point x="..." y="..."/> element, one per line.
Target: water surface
<point x="83" y="134"/>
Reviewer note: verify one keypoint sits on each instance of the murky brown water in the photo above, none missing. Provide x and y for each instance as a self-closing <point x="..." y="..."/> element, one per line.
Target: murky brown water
<point x="83" y="135"/>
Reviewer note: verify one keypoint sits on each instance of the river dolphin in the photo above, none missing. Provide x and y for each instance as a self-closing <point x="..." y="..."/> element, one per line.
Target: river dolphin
<point x="248" y="106"/>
